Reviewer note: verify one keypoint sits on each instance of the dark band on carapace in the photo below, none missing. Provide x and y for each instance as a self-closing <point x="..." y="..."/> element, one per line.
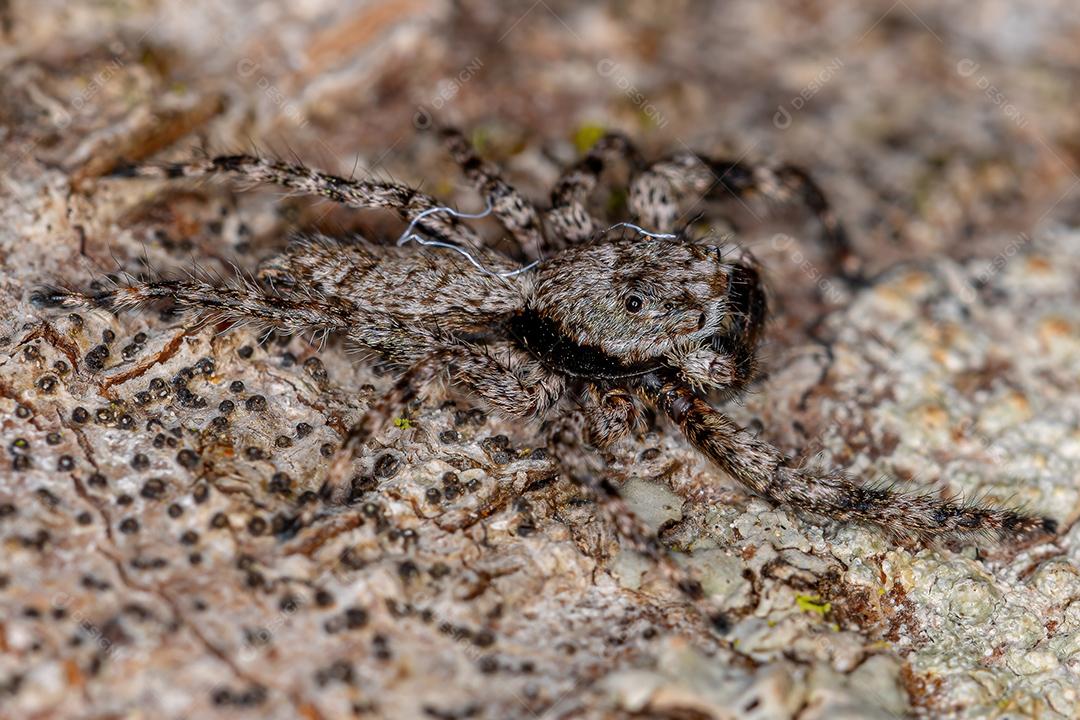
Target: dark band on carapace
<point x="542" y="338"/>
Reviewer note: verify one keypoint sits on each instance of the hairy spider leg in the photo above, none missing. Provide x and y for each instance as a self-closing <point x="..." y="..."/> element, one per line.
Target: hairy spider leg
<point x="512" y="209"/>
<point x="657" y="192"/>
<point x="568" y="221"/>
<point x="766" y="471"/>
<point x="241" y="300"/>
<point x="408" y="202"/>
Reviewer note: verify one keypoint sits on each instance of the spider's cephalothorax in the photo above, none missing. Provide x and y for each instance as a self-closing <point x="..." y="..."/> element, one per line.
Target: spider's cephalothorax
<point x="612" y="320"/>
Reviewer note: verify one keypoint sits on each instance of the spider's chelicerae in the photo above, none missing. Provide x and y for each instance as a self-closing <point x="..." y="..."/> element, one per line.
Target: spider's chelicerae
<point x="613" y="321"/>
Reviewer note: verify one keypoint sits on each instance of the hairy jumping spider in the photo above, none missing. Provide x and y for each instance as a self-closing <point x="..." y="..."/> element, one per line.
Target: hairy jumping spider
<point x="614" y="321"/>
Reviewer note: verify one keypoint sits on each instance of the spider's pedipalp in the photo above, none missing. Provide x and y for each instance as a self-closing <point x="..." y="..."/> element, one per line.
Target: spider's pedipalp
<point x="610" y="415"/>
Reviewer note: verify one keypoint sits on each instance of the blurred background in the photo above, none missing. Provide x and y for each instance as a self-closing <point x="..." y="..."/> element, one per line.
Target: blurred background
<point x="935" y="127"/>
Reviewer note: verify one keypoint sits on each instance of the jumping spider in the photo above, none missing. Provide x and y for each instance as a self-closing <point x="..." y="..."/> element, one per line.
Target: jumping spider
<point x="612" y="320"/>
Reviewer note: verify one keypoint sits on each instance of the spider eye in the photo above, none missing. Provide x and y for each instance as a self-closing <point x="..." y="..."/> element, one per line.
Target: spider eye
<point x="634" y="303"/>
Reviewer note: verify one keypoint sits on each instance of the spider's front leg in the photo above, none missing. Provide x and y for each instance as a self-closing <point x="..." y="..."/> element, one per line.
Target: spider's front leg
<point x="568" y="220"/>
<point x="766" y="471"/>
<point x="656" y="194"/>
<point x="512" y="209"/>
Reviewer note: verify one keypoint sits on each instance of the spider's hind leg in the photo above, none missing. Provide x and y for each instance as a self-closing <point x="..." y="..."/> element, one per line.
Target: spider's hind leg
<point x="241" y="300"/>
<point x="657" y="192"/>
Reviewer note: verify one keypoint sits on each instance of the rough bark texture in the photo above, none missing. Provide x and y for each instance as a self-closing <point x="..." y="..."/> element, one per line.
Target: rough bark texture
<point x="157" y="561"/>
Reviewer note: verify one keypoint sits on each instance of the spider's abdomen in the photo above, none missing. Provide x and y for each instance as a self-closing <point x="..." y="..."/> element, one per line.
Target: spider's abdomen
<point x="414" y="288"/>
